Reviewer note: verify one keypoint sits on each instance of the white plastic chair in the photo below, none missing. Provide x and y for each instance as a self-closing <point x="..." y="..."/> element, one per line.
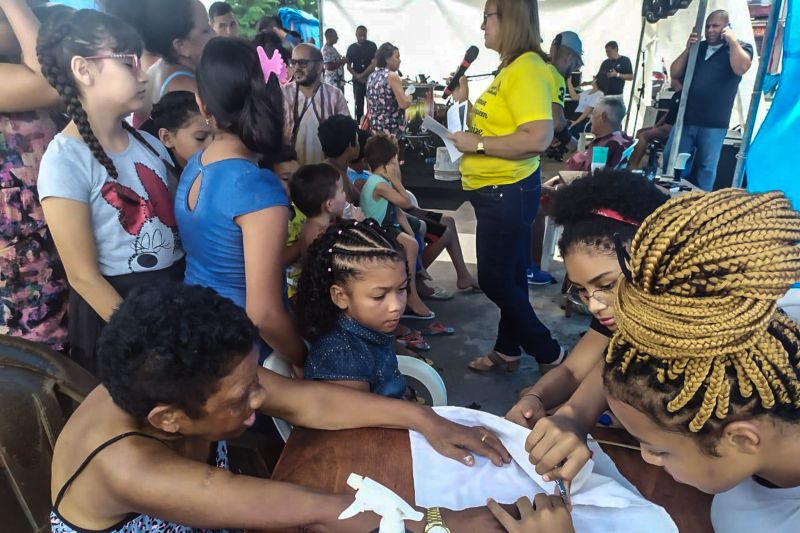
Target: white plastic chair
<point x="409" y="366"/>
<point x="281" y="367"/>
<point x="426" y="375"/>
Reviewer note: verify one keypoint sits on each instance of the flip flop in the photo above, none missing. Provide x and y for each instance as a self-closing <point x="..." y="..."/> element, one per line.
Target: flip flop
<point x="414" y="341"/>
<point x="409" y="313"/>
<point x="439" y="293"/>
<point x="437" y="328"/>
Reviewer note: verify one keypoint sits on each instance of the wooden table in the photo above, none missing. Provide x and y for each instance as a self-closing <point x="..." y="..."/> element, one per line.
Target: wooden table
<point x="324" y="459"/>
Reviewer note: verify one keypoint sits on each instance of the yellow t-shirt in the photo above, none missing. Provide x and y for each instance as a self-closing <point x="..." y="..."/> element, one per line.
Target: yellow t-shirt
<point x="559" y="86"/>
<point x="520" y="93"/>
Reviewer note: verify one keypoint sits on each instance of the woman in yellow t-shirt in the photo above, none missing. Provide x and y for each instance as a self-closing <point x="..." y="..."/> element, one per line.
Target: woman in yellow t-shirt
<point x="510" y="125"/>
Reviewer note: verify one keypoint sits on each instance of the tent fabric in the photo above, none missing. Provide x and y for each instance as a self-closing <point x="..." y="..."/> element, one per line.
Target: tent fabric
<point x="777" y="140"/>
<point x="434" y="34"/>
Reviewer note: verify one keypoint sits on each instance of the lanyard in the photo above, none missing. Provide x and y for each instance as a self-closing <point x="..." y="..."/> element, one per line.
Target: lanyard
<point x="309" y="103"/>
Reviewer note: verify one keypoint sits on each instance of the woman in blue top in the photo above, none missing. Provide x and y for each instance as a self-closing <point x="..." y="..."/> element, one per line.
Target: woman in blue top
<point x="231" y="214"/>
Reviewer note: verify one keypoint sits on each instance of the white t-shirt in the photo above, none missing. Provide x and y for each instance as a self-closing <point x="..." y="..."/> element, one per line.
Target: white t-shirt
<point x="751" y="507"/>
<point x="588" y="100"/>
<point x="711" y="50"/>
<point x="135" y="233"/>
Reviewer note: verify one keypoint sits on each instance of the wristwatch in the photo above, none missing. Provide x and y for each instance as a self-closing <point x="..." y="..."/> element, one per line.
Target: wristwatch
<point x="435" y="523"/>
<point x="480" y="148"/>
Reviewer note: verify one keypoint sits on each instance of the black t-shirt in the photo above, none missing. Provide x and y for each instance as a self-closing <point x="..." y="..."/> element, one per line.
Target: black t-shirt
<point x="614" y="86"/>
<point x="361" y="55"/>
<point x="713" y="88"/>
<point x="600" y="328"/>
<point x="672" y="110"/>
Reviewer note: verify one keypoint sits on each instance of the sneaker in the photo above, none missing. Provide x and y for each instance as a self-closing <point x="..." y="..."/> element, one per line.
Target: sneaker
<point x="539" y="277"/>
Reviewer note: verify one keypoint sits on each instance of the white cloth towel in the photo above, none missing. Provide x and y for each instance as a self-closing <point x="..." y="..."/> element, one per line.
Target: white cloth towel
<point x="603" y="501"/>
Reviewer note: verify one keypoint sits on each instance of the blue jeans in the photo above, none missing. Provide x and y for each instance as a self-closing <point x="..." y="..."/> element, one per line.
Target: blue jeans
<point x="505" y="214"/>
<point x="705" y="146"/>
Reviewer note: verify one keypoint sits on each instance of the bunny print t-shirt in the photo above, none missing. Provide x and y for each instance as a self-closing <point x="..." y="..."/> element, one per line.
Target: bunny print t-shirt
<point x="133" y="220"/>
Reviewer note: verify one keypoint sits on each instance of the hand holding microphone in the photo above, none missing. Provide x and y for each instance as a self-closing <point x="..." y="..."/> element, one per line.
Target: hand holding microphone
<point x="455" y="81"/>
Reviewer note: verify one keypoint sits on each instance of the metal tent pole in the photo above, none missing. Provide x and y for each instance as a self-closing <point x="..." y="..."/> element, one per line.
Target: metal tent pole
<point x="677" y="129"/>
<point x="639" y="57"/>
<point x="755" y="99"/>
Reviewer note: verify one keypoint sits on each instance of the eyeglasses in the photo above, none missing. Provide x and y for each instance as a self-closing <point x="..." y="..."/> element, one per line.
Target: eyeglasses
<point x="604" y="296"/>
<point x="302" y="63"/>
<point x="132" y="60"/>
<point x="487" y="15"/>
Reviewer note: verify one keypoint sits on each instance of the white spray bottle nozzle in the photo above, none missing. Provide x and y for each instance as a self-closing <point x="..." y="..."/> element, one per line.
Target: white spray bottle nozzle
<point x="371" y="496"/>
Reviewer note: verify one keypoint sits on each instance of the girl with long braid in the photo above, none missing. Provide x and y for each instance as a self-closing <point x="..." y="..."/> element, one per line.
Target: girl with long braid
<point x="103" y="185"/>
<point x="704" y="368"/>
<point x="351" y="295"/>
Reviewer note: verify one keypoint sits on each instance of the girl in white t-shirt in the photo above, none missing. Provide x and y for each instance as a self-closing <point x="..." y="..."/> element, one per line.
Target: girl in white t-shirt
<point x="103" y="186"/>
<point x="587" y="101"/>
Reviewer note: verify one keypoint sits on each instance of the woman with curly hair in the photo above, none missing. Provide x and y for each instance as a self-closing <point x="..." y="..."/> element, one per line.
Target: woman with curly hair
<point x="704" y="368"/>
<point x="591" y="211"/>
<point x="146" y="451"/>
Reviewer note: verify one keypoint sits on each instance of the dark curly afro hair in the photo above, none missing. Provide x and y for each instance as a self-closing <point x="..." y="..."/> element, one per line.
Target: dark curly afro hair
<point x="631" y="195"/>
<point x="170" y="344"/>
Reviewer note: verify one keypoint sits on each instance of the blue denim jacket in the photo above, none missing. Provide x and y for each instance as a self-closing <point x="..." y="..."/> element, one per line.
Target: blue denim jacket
<point x="352" y="352"/>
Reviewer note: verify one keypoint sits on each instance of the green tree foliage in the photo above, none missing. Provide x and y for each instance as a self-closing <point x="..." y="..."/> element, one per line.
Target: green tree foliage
<point x="250" y="12"/>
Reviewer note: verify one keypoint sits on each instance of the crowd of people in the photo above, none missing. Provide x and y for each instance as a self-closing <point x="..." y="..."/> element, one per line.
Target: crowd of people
<point x="180" y="204"/>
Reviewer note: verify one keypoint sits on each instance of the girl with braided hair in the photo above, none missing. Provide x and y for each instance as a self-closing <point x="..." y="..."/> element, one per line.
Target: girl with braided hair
<point x="103" y="185"/>
<point x="704" y="368"/>
<point x="352" y="293"/>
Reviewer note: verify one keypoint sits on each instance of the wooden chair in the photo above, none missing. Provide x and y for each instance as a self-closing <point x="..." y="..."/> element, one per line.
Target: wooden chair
<point x="39" y="389"/>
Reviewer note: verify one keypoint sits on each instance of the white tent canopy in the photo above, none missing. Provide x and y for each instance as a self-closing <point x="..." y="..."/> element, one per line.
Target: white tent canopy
<point x="433" y="34"/>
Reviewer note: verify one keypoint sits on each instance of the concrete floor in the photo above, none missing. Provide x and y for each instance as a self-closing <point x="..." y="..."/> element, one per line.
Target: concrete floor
<point x="475" y="318"/>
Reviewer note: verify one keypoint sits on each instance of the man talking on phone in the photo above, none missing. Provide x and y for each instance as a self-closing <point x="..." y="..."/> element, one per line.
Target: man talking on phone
<point x="721" y="62"/>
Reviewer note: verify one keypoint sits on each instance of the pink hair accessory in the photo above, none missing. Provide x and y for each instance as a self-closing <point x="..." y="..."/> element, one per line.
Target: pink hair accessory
<point x="613" y="215"/>
<point x="273" y="65"/>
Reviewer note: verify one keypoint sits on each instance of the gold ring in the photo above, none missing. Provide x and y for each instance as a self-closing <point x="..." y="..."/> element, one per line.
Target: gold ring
<point x="484" y="437"/>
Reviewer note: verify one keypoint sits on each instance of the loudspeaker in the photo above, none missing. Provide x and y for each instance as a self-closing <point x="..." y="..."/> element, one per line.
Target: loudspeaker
<point x="655" y="10"/>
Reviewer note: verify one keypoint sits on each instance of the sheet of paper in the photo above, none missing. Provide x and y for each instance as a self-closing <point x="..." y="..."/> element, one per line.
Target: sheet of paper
<point x="603" y="501"/>
<point x="437" y="129"/>
<point x="457" y="117"/>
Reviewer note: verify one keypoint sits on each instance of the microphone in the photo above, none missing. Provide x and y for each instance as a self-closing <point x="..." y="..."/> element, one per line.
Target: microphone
<point x="469" y="57"/>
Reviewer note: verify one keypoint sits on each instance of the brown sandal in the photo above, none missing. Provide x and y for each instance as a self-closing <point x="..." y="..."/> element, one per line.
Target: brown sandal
<point x="494" y="362"/>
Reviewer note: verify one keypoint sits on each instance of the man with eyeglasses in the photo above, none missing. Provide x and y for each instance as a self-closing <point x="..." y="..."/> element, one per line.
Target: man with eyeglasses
<point x="308" y="102"/>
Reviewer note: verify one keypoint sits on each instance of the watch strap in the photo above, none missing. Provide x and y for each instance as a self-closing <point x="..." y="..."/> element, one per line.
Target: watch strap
<point x="434" y="518"/>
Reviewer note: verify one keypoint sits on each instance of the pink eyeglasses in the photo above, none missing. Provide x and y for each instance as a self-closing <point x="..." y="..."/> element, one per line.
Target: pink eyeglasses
<point x="132" y="60"/>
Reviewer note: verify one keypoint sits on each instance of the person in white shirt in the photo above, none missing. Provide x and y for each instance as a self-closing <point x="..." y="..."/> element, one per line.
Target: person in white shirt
<point x="587" y="101"/>
<point x="334" y="61"/>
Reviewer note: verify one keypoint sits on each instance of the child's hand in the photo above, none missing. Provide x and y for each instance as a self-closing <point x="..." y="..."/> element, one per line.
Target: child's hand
<point x="548" y="513"/>
<point x="357" y="214"/>
<point x="527" y="411"/>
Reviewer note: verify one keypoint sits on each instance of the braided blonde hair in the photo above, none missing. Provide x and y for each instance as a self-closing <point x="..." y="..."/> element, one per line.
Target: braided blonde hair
<point x="699" y="330"/>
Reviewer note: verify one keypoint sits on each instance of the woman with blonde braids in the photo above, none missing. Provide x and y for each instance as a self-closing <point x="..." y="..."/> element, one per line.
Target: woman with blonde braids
<point x="704" y="368"/>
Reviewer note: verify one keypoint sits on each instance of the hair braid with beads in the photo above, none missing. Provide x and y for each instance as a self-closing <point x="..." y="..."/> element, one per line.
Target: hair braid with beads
<point x="84" y="33"/>
<point x="339" y="255"/>
<point x="700" y="339"/>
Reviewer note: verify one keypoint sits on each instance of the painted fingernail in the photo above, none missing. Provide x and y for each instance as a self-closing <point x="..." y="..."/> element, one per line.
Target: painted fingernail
<point x="469" y="459"/>
<point x="546" y="478"/>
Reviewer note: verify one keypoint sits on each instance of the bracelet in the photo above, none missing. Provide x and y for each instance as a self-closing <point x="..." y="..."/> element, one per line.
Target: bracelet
<point x="541" y="401"/>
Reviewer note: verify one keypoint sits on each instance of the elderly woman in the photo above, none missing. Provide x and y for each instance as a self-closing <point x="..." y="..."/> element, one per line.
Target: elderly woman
<point x="386" y="97"/>
<point x="511" y="123"/>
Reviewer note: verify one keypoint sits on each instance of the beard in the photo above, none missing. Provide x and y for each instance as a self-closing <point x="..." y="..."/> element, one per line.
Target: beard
<point x="309" y="80"/>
